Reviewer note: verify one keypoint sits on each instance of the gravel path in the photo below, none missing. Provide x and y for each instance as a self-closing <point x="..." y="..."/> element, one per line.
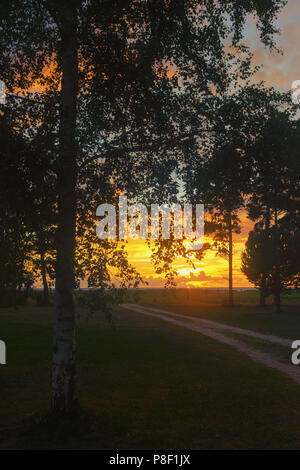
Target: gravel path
<point x="214" y="330"/>
<point x="221" y="326"/>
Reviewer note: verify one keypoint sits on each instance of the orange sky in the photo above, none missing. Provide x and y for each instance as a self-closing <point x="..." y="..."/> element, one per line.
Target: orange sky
<point x="211" y="271"/>
<point x="279" y="71"/>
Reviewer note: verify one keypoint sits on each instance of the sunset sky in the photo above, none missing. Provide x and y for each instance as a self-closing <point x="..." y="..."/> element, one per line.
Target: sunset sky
<point x="278" y="71"/>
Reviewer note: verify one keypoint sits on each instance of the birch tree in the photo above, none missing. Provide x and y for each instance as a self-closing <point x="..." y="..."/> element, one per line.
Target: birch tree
<point x="118" y="54"/>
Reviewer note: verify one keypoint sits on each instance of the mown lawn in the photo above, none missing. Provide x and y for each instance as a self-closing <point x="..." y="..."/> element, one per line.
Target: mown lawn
<point x="146" y="384"/>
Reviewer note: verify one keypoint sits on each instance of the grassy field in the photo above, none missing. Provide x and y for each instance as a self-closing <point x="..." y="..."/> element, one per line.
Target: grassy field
<point x="146" y="384"/>
<point x="245" y="314"/>
<point x="197" y="297"/>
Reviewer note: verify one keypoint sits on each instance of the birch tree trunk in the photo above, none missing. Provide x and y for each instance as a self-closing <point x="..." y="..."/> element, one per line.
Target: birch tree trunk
<point x="63" y="370"/>
<point x="44" y="277"/>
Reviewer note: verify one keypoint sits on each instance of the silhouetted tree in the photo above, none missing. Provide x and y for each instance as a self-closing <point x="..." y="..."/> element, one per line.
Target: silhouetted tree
<point x="16" y="239"/>
<point x="272" y="256"/>
<point x="275" y="180"/>
<point x="112" y="52"/>
<point x="257" y="261"/>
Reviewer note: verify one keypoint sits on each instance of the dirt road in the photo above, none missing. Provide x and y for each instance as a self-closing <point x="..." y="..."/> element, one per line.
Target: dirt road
<point x="218" y="331"/>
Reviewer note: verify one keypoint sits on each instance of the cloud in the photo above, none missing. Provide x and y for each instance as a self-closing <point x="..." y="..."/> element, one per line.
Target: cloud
<point x="200" y="279"/>
<point x="279" y="70"/>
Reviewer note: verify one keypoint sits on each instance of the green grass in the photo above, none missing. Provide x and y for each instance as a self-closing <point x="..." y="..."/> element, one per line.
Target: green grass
<point x="285" y="325"/>
<point x="146" y="385"/>
<point x="244" y="314"/>
<point x="281" y="353"/>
